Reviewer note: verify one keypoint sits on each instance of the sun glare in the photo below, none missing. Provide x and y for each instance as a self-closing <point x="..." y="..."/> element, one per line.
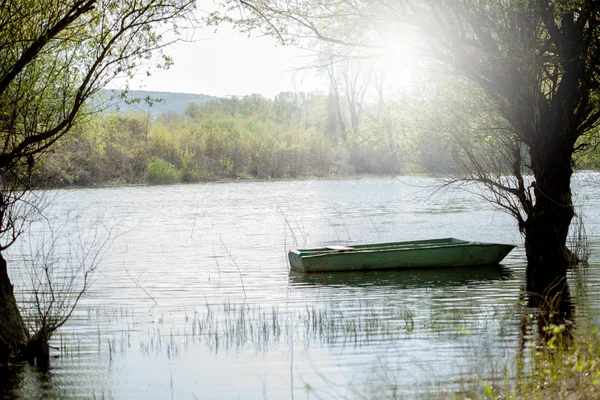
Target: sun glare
<point x="399" y="62"/>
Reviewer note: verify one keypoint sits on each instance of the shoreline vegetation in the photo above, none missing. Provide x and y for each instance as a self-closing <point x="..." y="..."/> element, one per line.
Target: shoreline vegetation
<point x="250" y="138"/>
<point x="293" y="136"/>
<point x="245" y="178"/>
<point x="118" y="183"/>
<point x="556" y="369"/>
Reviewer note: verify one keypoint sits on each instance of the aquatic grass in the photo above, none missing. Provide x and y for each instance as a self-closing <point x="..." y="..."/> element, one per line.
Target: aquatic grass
<point x="564" y="370"/>
<point x="559" y="368"/>
<point x="243" y="327"/>
<point x="240" y="327"/>
<point x="232" y="327"/>
<point x="110" y="349"/>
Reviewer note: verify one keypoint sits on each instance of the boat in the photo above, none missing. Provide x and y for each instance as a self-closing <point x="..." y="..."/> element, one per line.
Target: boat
<point x="432" y="253"/>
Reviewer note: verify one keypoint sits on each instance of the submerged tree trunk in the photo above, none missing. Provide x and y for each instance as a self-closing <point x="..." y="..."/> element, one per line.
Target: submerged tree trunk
<point x="547" y="226"/>
<point x="13" y="334"/>
<point x="15" y="340"/>
<point x="37" y="350"/>
<point x="546" y="231"/>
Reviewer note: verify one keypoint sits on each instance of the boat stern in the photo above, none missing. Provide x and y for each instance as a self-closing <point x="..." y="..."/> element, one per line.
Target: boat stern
<point x="295" y="260"/>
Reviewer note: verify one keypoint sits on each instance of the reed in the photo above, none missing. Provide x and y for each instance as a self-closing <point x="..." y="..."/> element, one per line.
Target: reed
<point x="555" y="369"/>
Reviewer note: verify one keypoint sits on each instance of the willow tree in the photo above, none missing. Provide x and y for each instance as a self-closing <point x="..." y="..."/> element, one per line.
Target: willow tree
<point x="536" y="61"/>
<point x="54" y="56"/>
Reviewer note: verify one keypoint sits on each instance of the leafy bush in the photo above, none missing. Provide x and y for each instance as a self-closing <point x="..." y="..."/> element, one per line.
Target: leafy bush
<point x="161" y="171"/>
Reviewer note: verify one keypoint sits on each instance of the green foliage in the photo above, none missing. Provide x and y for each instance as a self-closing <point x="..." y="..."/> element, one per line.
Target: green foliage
<point x="56" y="55"/>
<point x="161" y="171"/>
<point x="587" y="155"/>
<point x="289" y="136"/>
<point x="560" y="369"/>
<point x="247" y="137"/>
<point x="189" y="172"/>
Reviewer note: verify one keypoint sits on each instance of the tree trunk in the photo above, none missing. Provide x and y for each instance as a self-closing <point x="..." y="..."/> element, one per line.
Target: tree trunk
<point x="38" y="350"/>
<point x="545" y="246"/>
<point x="13" y="334"/>
<point x="547" y="225"/>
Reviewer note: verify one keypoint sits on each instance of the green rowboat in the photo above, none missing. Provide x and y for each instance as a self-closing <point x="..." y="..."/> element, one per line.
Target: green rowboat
<point x="448" y="252"/>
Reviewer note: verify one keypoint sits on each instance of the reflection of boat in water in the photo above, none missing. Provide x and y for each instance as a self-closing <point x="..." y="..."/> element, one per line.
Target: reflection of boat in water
<point x="421" y="278"/>
<point x="434" y="253"/>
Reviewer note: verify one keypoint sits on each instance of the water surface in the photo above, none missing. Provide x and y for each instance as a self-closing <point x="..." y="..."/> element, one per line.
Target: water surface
<point x="194" y="298"/>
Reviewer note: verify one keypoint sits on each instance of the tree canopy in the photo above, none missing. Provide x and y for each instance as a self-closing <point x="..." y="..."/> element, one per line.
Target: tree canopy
<point x="55" y="55"/>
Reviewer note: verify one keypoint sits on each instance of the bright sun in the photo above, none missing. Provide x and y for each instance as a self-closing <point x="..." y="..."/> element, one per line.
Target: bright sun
<point x="399" y="61"/>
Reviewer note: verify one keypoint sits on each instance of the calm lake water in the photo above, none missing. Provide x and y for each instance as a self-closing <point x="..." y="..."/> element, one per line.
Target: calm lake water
<point x="194" y="299"/>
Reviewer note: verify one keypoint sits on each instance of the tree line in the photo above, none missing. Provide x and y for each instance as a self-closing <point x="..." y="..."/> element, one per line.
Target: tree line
<point x="294" y="135"/>
<point x="251" y="137"/>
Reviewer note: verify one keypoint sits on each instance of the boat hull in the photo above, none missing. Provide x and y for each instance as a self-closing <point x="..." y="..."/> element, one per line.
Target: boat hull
<point x="443" y="253"/>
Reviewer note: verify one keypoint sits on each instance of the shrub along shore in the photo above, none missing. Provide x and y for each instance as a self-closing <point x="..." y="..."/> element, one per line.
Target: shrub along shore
<point x="294" y="135"/>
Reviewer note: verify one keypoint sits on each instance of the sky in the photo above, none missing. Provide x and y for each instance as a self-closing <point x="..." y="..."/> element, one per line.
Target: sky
<point x="228" y="63"/>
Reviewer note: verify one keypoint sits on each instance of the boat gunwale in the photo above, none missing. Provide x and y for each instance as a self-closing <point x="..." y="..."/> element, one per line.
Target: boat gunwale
<point x="392" y="246"/>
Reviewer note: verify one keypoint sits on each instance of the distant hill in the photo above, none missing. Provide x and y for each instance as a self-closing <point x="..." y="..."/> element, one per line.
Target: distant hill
<point x="161" y="102"/>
